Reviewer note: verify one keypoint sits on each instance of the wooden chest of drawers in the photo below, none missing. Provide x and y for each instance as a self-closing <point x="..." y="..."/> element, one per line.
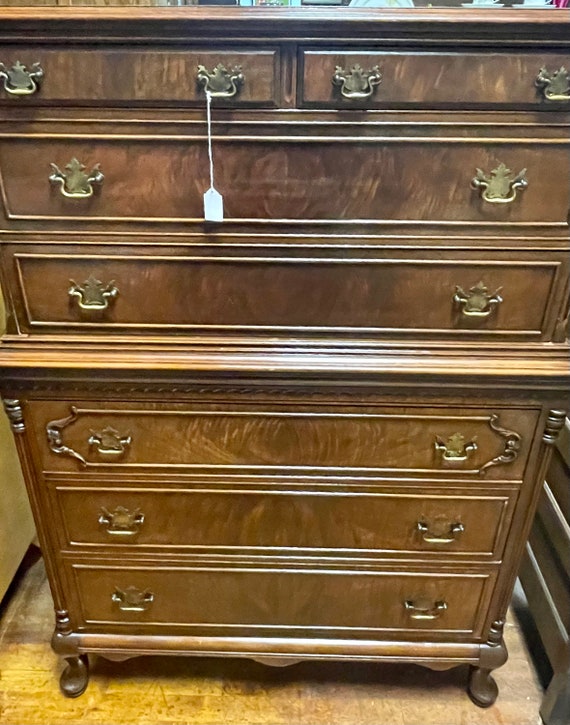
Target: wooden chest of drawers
<point x="318" y="429"/>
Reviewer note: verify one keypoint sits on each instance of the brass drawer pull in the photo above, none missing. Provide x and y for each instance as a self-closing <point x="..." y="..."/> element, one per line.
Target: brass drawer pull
<point x="18" y="81"/>
<point x="356" y="83"/>
<point x="500" y="186"/>
<point x="132" y="599"/>
<point x="109" y="443"/>
<point x="477" y="302"/>
<point x="424" y="609"/>
<point x="74" y="183"/>
<point x="93" y="295"/>
<point x="554" y="86"/>
<point x="121" y="521"/>
<point x="455" y="450"/>
<point x="453" y="531"/>
<point x="221" y="82"/>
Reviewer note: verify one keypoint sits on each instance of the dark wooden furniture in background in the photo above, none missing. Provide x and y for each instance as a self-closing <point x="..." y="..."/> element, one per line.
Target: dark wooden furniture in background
<point x="319" y="429"/>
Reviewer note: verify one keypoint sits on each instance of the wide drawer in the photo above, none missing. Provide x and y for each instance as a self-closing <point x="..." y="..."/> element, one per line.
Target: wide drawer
<point x="154" y="178"/>
<point x="227" y="600"/>
<point x="149" y="76"/>
<point x="269" y="521"/>
<point x="244" y="438"/>
<point x="374" y="79"/>
<point x="418" y="293"/>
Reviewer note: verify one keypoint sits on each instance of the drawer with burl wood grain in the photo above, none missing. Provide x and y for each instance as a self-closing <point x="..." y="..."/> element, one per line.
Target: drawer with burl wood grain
<point x="239" y="439"/>
<point x="423" y="294"/>
<point x="330" y="520"/>
<point x="342" y="78"/>
<point x="112" y="76"/>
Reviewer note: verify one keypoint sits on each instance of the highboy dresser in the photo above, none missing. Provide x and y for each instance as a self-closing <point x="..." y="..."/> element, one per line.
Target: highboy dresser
<point x="319" y="428"/>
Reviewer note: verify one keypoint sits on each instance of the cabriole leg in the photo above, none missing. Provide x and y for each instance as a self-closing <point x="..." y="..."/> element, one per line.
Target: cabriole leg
<point x="75" y="676"/>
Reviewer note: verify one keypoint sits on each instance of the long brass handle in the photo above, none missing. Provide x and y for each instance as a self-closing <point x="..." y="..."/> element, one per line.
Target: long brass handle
<point x="430" y="538"/>
<point x="477" y="302"/>
<point x="554" y="86"/>
<point x="132" y="599"/>
<point x="74" y="182"/>
<point x="93" y="296"/>
<point x="500" y="186"/>
<point x="109" y="443"/>
<point x="356" y="83"/>
<point x="221" y="81"/>
<point x="121" y="522"/>
<point x="18" y="81"/>
<point x="423" y="609"/>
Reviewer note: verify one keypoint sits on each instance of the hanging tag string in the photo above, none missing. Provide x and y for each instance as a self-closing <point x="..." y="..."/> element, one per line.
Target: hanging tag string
<point x="209" y="118"/>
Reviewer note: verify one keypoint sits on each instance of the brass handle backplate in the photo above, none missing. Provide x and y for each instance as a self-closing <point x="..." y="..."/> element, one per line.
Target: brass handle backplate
<point x="121" y="522"/>
<point x="424" y="609"/>
<point x="477" y="302"/>
<point x="18" y="81"/>
<point x="109" y="443"/>
<point x="74" y="182"/>
<point x="431" y="535"/>
<point x="93" y="295"/>
<point x="454" y="450"/>
<point x="221" y="81"/>
<point x="356" y="83"/>
<point x="554" y="86"/>
<point x="500" y="186"/>
<point x="132" y="599"/>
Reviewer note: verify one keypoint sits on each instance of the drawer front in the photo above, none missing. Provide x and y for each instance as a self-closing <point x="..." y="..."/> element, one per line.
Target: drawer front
<point x="155" y="179"/>
<point x="412" y="293"/>
<point x="109" y="77"/>
<point x="283" y="602"/>
<point x="428" y="80"/>
<point x="283" y="521"/>
<point x="236" y="439"/>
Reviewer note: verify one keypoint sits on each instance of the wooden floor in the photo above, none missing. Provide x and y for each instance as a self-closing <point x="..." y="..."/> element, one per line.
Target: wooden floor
<point x="157" y="690"/>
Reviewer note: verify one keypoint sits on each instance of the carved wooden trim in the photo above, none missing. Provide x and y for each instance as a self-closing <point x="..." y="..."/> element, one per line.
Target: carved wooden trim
<point x="495" y="636"/>
<point x="512" y="445"/>
<point x="13" y="408"/>
<point x="62" y="622"/>
<point x="554" y="424"/>
<point x="55" y="439"/>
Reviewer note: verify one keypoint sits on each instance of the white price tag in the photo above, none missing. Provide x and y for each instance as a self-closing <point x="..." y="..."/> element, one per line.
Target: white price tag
<point x="213" y="206"/>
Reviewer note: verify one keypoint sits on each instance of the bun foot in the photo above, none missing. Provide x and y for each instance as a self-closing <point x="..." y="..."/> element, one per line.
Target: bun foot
<point x="482" y="688"/>
<point x="75" y="676"/>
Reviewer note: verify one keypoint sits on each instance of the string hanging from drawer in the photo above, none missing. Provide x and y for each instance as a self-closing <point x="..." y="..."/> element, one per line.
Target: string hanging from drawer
<point x="213" y="200"/>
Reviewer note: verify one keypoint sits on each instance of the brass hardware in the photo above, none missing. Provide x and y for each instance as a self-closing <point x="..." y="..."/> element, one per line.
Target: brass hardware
<point x="477" y="302"/>
<point x="55" y="440"/>
<point x="93" y="295"/>
<point x="431" y="534"/>
<point x="500" y="186"/>
<point x="109" y="442"/>
<point x="132" y="599"/>
<point x="121" y="521"/>
<point x="74" y="182"/>
<point x="356" y="83"/>
<point x="555" y="86"/>
<point x="221" y="82"/>
<point x="424" y="609"/>
<point x="18" y="81"/>
<point x="512" y="445"/>
<point x="455" y="450"/>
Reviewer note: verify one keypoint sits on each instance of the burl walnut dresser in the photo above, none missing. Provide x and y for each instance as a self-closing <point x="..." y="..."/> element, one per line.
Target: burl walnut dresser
<point x="319" y="428"/>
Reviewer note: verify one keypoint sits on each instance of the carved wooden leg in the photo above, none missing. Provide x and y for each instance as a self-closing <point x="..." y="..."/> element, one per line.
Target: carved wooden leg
<point x="482" y="688"/>
<point x="75" y="676"/>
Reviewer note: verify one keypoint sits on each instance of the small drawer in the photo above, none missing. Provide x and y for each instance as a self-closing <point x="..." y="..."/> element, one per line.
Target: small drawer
<point x="153" y="76"/>
<point x="244" y="438"/>
<point x="359" y="604"/>
<point x="377" y="79"/>
<point x="254" y="520"/>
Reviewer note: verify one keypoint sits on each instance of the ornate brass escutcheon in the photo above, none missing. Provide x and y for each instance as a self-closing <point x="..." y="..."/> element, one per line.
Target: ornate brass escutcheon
<point x="74" y="183"/>
<point x="477" y="302"/>
<point x="121" y="522"/>
<point x="18" y="81"/>
<point x="93" y="295"/>
<point x="500" y="186"/>
<point x="439" y="532"/>
<point x="356" y="83"/>
<point x="221" y="82"/>
<point x="109" y="443"/>
<point x="132" y="599"/>
<point x="555" y="86"/>
<point x="424" y="609"/>
<point x="455" y="450"/>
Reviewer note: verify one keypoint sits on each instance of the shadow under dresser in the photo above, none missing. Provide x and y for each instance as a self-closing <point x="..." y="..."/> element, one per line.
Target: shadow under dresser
<point x="318" y="429"/>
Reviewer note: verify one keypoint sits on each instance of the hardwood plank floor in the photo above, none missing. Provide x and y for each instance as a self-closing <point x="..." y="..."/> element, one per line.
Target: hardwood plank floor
<point x="208" y="691"/>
